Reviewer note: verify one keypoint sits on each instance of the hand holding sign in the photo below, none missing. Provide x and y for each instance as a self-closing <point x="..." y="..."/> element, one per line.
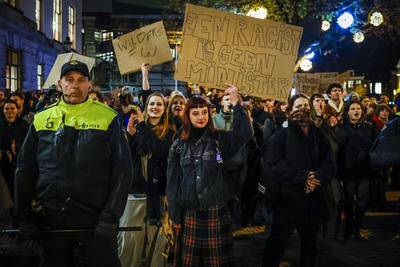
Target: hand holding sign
<point x="145" y="67"/>
<point x="233" y="94"/>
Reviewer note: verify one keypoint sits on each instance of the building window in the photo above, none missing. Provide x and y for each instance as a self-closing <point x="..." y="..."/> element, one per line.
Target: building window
<point x="108" y="56"/>
<point x="57" y="23"/>
<point x="72" y="26"/>
<point x="103" y="35"/>
<point x="12" y="70"/>
<point x="38" y="15"/>
<point x="40" y="76"/>
<point x="12" y="3"/>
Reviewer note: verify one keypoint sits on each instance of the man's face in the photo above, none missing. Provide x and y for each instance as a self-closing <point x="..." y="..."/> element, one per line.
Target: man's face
<point x="178" y="106"/>
<point x="384" y="99"/>
<point x="75" y="87"/>
<point x="19" y="101"/>
<point x="365" y="102"/>
<point x="2" y="95"/>
<point x="336" y="93"/>
<point x="10" y="112"/>
<point x="199" y="117"/>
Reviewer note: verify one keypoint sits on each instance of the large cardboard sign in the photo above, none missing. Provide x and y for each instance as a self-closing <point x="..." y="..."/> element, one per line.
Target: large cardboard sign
<point x="258" y="56"/>
<point x="61" y="59"/>
<point x="307" y="83"/>
<point x="326" y="79"/>
<point x="145" y="45"/>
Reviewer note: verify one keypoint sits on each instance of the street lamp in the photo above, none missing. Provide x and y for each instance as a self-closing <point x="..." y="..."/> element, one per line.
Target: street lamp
<point x="258" y="12"/>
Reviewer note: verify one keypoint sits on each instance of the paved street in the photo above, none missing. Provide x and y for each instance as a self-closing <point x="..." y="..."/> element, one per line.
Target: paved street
<point x="381" y="249"/>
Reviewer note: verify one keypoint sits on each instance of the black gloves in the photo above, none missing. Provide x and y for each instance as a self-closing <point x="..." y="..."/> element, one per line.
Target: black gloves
<point x="29" y="230"/>
<point x="105" y="230"/>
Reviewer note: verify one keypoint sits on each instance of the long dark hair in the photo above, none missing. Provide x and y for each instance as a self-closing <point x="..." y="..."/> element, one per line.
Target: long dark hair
<point x="196" y="102"/>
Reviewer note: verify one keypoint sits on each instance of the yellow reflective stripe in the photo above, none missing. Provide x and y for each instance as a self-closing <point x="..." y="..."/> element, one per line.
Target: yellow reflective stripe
<point x="89" y="117"/>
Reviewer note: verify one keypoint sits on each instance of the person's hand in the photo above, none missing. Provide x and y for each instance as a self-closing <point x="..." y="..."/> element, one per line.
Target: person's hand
<point x="139" y="115"/>
<point x="9" y="156"/>
<point x="312" y="182"/>
<point x="13" y="147"/>
<point x="145" y="67"/>
<point x="177" y="228"/>
<point x="131" y="125"/>
<point x="105" y="230"/>
<point x="233" y="93"/>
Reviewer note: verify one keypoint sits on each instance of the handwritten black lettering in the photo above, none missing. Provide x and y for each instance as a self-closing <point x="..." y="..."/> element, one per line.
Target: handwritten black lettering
<point x="237" y="57"/>
<point x="196" y="71"/>
<point x="190" y="23"/>
<point x="257" y="37"/>
<point x="239" y="38"/>
<point x="220" y="30"/>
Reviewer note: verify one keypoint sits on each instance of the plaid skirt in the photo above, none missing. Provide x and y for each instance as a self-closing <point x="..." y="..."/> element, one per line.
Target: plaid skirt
<point x="205" y="239"/>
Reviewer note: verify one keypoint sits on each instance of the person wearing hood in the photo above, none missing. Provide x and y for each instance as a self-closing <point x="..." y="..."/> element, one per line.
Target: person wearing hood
<point x="359" y="135"/>
<point x="300" y="158"/>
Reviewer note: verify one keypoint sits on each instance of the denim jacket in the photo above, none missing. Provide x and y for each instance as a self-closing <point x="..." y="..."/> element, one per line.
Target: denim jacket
<point x="195" y="173"/>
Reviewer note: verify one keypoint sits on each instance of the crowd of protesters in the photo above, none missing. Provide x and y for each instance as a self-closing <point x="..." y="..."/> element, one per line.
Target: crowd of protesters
<point x="202" y="164"/>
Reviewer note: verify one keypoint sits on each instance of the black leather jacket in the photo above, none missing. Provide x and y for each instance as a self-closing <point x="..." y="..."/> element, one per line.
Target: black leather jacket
<point x="195" y="175"/>
<point x="75" y="154"/>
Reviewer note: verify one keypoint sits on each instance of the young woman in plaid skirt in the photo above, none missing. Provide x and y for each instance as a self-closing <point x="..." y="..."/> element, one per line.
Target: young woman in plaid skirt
<point x="197" y="189"/>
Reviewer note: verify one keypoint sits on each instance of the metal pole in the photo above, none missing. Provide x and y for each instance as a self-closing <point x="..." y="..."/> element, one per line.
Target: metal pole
<point x="119" y="229"/>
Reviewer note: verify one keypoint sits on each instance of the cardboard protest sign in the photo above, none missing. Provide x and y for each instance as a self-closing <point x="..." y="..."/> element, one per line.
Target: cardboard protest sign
<point x="345" y="76"/>
<point x="258" y="56"/>
<point x="307" y="83"/>
<point x="145" y="45"/>
<point x="327" y="78"/>
<point x="61" y="59"/>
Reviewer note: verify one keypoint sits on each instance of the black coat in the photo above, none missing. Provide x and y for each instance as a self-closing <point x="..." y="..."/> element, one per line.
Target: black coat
<point x="10" y="133"/>
<point x="290" y="156"/>
<point x="354" y="151"/>
<point x="146" y="142"/>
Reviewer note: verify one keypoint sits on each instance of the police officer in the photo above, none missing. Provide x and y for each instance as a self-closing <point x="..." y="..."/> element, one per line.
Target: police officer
<point x="73" y="174"/>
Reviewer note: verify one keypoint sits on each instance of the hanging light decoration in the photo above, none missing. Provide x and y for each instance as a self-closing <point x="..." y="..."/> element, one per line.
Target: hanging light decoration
<point x="326" y="25"/>
<point x="345" y="20"/>
<point x="310" y="55"/>
<point x="305" y="64"/>
<point x="358" y="37"/>
<point x="258" y="12"/>
<point x="376" y="18"/>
